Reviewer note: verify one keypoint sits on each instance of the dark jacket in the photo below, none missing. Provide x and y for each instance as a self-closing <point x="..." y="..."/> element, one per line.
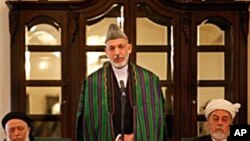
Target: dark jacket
<point x="207" y="138"/>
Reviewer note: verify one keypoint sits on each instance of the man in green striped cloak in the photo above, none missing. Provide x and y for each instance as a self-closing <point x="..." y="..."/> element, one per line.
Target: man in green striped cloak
<point x="99" y="112"/>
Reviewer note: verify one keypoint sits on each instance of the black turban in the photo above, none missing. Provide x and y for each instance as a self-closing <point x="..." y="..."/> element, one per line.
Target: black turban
<point x="19" y="115"/>
<point x="16" y="115"/>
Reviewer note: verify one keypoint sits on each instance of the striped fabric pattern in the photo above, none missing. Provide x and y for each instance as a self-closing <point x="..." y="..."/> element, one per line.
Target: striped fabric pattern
<point x="94" y="116"/>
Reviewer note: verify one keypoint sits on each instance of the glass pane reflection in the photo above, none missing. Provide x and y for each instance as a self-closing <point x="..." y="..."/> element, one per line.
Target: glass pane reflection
<point x="95" y="60"/>
<point x="47" y="129"/>
<point x="207" y="93"/>
<point x="43" y="100"/>
<point x="150" y="33"/>
<point x="168" y="96"/>
<point x="43" y="34"/>
<point x="155" y="62"/>
<point x="210" y="34"/>
<point x="96" y="33"/>
<point x="202" y="129"/>
<point x="43" y="65"/>
<point x="96" y="27"/>
<point x="211" y="66"/>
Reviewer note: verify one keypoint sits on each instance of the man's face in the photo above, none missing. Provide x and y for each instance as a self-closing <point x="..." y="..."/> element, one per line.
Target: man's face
<point x="118" y="51"/>
<point x="218" y="124"/>
<point x="17" y="130"/>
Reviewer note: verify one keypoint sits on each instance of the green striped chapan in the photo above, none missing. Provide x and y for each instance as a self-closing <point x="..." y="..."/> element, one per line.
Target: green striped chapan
<point x="94" y="116"/>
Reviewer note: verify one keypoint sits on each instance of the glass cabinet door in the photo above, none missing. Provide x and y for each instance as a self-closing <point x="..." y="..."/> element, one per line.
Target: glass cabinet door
<point x="43" y="66"/>
<point x="213" y="61"/>
<point x="155" y="51"/>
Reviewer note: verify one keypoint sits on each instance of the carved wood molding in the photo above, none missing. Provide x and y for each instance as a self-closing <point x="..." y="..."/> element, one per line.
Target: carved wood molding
<point x="185" y="25"/>
<point x="244" y="25"/>
<point x="13" y="22"/>
<point x="75" y="27"/>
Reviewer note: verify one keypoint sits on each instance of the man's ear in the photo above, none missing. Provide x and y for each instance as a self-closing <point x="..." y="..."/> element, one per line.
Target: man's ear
<point x="105" y="49"/>
<point x="29" y="129"/>
<point x="130" y="46"/>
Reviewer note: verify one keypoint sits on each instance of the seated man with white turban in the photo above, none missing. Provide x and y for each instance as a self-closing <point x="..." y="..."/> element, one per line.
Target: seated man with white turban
<point x="220" y="114"/>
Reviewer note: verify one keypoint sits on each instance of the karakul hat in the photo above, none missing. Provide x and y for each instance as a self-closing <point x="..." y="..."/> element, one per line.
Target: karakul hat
<point x="114" y="32"/>
<point x="222" y="104"/>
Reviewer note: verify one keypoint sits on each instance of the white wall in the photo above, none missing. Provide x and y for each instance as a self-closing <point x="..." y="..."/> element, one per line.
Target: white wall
<point x="4" y="63"/>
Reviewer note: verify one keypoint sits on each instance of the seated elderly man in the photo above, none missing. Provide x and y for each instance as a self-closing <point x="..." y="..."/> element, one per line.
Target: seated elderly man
<point x="17" y="127"/>
<point x="220" y="114"/>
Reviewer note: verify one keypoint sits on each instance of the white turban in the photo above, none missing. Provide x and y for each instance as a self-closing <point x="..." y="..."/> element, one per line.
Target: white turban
<point x="222" y="104"/>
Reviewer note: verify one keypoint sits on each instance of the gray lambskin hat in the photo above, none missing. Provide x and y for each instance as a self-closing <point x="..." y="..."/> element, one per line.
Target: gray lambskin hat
<point x="114" y="32"/>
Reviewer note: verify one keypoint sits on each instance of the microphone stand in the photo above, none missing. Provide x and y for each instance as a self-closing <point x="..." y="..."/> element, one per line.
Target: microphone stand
<point x="123" y="104"/>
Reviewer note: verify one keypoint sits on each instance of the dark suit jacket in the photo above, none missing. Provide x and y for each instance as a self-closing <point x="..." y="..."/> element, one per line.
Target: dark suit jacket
<point x="207" y="138"/>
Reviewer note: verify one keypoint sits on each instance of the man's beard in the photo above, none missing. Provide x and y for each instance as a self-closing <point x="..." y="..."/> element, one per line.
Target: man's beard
<point x="122" y="64"/>
<point x="26" y="138"/>
<point x="219" y="135"/>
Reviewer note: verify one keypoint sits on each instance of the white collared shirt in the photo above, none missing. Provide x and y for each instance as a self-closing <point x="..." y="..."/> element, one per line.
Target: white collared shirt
<point x="121" y="74"/>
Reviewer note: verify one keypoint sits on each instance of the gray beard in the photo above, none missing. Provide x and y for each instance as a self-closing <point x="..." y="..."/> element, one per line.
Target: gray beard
<point x="122" y="64"/>
<point x="26" y="138"/>
<point x="219" y="136"/>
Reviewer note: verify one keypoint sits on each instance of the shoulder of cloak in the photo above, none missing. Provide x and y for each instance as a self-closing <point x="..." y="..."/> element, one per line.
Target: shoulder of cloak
<point x="137" y="68"/>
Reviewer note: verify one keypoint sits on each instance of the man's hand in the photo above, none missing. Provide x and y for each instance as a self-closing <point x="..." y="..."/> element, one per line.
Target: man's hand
<point x="127" y="137"/>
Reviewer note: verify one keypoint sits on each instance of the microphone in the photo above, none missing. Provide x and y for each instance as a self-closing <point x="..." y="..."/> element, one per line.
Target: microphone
<point x="122" y="89"/>
<point x="123" y="105"/>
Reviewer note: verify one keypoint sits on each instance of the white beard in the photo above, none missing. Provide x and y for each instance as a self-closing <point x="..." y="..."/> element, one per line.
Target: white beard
<point x="122" y="64"/>
<point x="219" y="135"/>
<point x="26" y="138"/>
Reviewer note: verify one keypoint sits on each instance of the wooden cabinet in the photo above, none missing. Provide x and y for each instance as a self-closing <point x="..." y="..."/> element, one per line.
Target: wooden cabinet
<point x="198" y="49"/>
